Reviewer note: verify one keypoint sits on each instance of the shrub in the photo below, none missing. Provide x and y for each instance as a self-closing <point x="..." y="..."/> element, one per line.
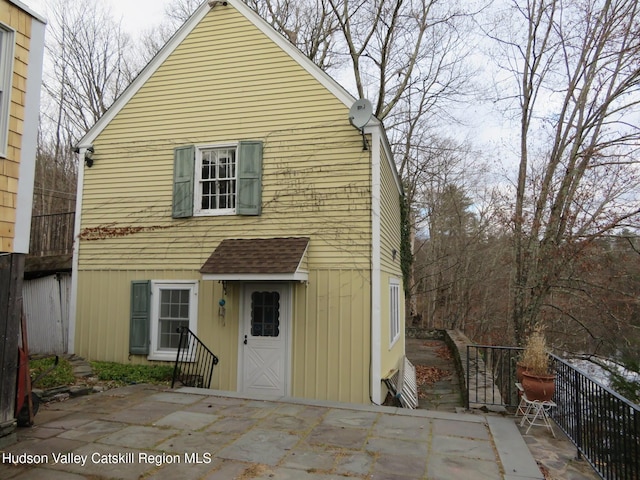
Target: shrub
<point x="128" y="374"/>
<point x="535" y="357"/>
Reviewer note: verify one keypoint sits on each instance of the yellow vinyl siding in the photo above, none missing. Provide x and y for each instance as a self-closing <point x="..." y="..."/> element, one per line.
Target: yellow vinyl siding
<point x="391" y="268"/>
<point x="316" y="177"/>
<point x="330" y="328"/>
<point x="390" y="221"/>
<point x="13" y="17"/>
<point x="102" y="323"/>
<point x="331" y="348"/>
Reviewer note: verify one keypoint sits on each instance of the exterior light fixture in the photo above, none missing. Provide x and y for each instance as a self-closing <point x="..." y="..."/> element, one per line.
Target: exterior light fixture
<point x="88" y="157"/>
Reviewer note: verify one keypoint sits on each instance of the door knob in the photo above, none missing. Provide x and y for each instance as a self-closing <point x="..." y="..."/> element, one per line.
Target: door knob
<point x="245" y="339"/>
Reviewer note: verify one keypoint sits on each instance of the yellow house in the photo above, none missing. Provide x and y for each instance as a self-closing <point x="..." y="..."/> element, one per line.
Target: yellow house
<point x="21" y="54"/>
<point x="226" y="190"/>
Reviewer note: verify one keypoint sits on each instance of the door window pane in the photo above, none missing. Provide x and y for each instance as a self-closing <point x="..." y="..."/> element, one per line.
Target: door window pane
<point x="265" y="314"/>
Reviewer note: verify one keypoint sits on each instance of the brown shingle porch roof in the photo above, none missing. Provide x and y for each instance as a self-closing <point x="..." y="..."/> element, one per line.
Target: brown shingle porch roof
<point x="257" y="259"/>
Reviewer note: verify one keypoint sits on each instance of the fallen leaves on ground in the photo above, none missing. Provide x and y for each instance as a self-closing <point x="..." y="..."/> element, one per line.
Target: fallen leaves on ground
<point x="444" y="353"/>
<point x="426" y="376"/>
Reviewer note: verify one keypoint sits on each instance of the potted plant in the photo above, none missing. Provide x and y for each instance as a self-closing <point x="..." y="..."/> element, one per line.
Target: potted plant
<point x="538" y="381"/>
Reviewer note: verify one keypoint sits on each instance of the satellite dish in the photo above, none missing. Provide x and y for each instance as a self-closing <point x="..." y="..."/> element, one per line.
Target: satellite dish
<point x="360" y="113"/>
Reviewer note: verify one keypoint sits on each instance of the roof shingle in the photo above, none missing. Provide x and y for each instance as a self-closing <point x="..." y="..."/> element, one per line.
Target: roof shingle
<point x="256" y="256"/>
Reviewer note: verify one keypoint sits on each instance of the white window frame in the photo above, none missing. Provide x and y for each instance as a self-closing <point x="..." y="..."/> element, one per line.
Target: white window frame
<point x="394" y="311"/>
<point x="7" y="54"/>
<point x="197" y="197"/>
<point x="155" y="353"/>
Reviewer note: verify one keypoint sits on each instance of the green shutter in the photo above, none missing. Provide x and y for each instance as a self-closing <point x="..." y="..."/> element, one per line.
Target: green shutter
<point x="140" y="317"/>
<point x="249" y="177"/>
<point x="184" y="159"/>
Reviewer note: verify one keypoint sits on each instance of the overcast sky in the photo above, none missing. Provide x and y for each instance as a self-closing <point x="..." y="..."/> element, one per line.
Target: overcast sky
<point x="136" y="15"/>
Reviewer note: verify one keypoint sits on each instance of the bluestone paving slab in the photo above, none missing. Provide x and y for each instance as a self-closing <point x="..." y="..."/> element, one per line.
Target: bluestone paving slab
<point x="302" y="411"/>
<point x="401" y="465"/>
<point x="200" y="442"/>
<point x="174" y="397"/>
<point x="460" y="429"/>
<point x="92" y="431"/>
<point x="448" y="467"/>
<point x="46" y="474"/>
<point x="397" y="447"/>
<point x="357" y="463"/>
<point x="288" y="423"/>
<point x="284" y="438"/>
<point x="42" y="432"/>
<point x="310" y="460"/>
<point x="138" y="436"/>
<point x="227" y="469"/>
<point x="45" y="447"/>
<point x="513" y="449"/>
<point x="185" y="471"/>
<point x="403" y="427"/>
<point x="348" y="418"/>
<point x="464" y="447"/>
<point x="187" y="420"/>
<point x="294" y="474"/>
<point x="142" y="414"/>
<point x="231" y="426"/>
<point x="260" y="446"/>
<point x="73" y="420"/>
<point x="99" y="465"/>
<point x="242" y="410"/>
<point x="353" y="438"/>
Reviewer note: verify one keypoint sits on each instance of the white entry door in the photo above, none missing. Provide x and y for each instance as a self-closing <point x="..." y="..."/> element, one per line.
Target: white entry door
<point x="264" y="339"/>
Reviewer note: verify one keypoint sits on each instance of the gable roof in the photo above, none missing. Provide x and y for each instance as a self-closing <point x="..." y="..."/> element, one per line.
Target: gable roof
<point x="257" y="258"/>
<point x="320" y="75"/>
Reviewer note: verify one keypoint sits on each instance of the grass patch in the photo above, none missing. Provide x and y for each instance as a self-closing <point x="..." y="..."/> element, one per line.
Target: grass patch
<point x="61" y="375"/>
<point x="123" y="374"/>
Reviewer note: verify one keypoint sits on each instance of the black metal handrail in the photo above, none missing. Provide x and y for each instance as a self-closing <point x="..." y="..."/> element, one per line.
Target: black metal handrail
<point x="603" y="425"/>
<point x="491" y="375"/>
<point x="194" y="361"/>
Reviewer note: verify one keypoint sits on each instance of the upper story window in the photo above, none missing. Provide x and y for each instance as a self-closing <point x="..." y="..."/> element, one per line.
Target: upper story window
<point x="216" y="182"/>
<point x="217" y="179"/>
<point x="6" y="75"/>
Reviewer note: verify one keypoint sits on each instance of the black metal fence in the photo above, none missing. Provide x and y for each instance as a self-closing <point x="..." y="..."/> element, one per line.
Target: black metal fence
<point x="52" y="234"/>
<point x="491" y="375"/>
<point x="194" y="361"/>
<point x="603" y="425"/>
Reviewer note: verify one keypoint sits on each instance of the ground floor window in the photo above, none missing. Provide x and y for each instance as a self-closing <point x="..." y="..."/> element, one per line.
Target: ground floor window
<point x="173" y="305"/>
<point x="394" y="311"/>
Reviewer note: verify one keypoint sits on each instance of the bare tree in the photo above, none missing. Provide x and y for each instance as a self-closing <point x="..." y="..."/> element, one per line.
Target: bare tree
<point x="88" y="67"/>
<point x="308" y="24"/>
<point x="577" y="68"/>
<point x="153" y="39"/>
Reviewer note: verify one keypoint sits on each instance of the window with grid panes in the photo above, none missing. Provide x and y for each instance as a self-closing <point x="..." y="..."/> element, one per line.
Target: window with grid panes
<point x="173" y="305"/>
<point x="217" y="181"/>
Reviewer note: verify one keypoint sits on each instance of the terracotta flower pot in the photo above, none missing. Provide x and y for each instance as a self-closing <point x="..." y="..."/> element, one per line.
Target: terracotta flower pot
<point x="538" y="387"/>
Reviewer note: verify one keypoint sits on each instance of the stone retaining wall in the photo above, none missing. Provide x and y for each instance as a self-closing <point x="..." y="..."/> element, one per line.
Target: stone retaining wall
<point x="481" y="385"/>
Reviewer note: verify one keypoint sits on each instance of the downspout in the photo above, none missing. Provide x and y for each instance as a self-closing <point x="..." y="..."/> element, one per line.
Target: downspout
<point x="73" y="301"/>
<point x="376" y="386"/>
